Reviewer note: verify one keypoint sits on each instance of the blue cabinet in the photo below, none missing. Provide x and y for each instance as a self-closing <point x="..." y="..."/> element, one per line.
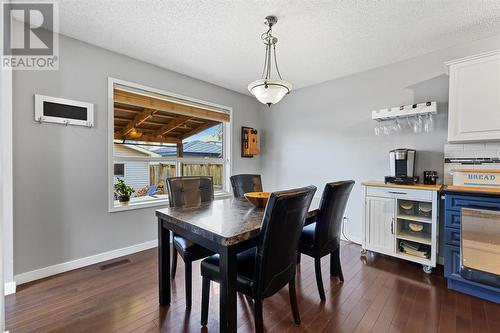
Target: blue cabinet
<point x="452" y="236"/>
<point x="452" y="219"/>
<point x="457" y="202"/>
<point x="451" y="261"/>
<point x="453" y="204"/>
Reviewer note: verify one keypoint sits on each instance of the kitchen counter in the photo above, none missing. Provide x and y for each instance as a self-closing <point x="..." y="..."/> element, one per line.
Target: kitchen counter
<point x="386" y="221"/>
<point x="492" y="191"/>
<point x="457" y="198"/>
<point x="414" y="186"/>
<point x="483" y="191"/>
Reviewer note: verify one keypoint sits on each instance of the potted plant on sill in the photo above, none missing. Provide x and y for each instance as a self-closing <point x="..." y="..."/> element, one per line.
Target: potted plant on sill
<point x="124" y="192"/>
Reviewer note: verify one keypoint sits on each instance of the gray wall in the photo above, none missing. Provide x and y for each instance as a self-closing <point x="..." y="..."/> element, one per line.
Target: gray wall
<point x="60" y="173"/>
<point x="2" y="162"/>
<point x="325" y="132"/>
<point x="6" y="175"/>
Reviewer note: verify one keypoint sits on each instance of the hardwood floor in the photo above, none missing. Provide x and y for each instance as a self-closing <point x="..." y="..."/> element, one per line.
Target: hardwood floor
<point x="380" y="294"/>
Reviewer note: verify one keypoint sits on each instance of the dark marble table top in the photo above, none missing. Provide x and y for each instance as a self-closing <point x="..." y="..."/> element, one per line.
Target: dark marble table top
<point x="226" y="221"/>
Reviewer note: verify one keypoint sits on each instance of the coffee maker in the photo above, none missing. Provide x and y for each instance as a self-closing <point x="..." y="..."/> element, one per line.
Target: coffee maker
<point x="402" y="162"/>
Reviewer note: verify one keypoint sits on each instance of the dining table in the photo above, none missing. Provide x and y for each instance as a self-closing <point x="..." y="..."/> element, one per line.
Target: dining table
<point x="224" y="226"/>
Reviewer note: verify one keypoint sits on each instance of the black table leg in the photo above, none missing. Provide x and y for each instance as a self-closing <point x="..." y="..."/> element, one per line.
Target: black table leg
<point x="163" y="263"/>
<point x="227" y="294"/>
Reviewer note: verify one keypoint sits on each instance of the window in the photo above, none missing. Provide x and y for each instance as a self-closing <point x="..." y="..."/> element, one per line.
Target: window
<point x="119" y="170"/>
<point x="155" y="135"/>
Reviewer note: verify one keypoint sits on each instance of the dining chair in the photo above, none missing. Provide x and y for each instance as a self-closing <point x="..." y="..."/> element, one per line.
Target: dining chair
<point x="185" y="191"/>
<point x="245" y="183"/>
<point x="269" y="266"/>
<point x="323" y="237"/>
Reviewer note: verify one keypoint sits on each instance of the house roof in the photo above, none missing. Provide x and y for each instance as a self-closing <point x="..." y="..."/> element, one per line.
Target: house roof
<point x="133" y="150"/>
<point x="196" y="147"/>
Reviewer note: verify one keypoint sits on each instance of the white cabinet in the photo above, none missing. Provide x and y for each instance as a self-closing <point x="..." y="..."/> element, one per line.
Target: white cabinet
<point x="474" y="101"/>
<point x="380" y="230"/>
<point x="402" y="221"/>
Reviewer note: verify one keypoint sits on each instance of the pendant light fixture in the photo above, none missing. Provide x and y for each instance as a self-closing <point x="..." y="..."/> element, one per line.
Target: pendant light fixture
<point x="267" y="90"/>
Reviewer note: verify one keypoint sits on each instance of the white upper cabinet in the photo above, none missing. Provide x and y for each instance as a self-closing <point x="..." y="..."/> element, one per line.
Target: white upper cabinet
<point x="474" y="104"/>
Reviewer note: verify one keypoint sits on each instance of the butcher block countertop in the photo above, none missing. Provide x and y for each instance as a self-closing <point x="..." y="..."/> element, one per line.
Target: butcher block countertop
<point x="415" y="186"/>
<point x="478" y="170"/>
<point x="472" y="189"/>
<point x="484" y="191"/>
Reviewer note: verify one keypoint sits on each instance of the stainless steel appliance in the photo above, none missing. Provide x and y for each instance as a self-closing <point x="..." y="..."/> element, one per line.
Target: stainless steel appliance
<point x="402" y="164"/>
<point x="480" y="246"/>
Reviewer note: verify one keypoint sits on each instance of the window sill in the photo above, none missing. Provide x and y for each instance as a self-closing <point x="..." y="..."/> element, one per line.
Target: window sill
<point x="222" y="195"/>
<point x="160" y="203"/>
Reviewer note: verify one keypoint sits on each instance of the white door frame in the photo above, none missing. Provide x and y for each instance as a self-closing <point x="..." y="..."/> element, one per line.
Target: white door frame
<point x="7" y="284"/>
<point x="7" y="182"/>
<point x="6" y="193"/>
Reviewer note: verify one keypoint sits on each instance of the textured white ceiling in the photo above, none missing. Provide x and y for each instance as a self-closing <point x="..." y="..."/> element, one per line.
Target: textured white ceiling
<point x="219" y="41"/>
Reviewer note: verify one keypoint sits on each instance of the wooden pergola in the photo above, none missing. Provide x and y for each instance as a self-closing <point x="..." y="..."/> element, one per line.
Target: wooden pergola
<point x="149" y="119"/>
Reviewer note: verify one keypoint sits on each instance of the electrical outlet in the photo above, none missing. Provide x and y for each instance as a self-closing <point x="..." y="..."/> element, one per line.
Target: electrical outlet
<point x="344" y="228"/>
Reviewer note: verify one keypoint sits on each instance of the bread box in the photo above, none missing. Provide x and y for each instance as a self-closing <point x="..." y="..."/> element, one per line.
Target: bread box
<point x="476" y="177"/>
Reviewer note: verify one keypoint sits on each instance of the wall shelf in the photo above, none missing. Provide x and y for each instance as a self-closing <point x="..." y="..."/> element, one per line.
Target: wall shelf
<point x="405" y="111"/>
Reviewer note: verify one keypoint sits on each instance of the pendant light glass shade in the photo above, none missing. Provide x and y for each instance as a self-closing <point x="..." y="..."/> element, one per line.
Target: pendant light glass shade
<point x="269" y="91"/>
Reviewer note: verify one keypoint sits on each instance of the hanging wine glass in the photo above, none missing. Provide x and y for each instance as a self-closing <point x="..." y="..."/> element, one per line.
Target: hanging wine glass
<point x="408" y="123"/>
<point x="429" y="123"/>
<point x="386" y="129"/>
<point x="417" y="125"/>
<point x="396" y="127"/>
<point x="378" y="128"/>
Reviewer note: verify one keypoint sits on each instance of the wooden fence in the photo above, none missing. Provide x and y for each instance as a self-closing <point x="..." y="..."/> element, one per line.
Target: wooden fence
<point x="159" y="172"/>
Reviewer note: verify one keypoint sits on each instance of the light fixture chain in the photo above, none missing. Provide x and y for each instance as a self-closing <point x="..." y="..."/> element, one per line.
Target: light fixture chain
<point x="269" y="63"/>
<point x="276" y="62"/>
<point x="264" y="70"/>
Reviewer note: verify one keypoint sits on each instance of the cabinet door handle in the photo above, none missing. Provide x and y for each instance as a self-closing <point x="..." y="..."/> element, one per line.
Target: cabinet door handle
<point x="393" y="192"/>
<point x="392" y="226"/>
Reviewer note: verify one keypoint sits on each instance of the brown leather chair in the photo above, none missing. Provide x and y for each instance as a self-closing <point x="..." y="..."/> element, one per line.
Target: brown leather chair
<point x="268" y="267"/>
<point x="245" y="183"/>
<point x="187" y="191"/>
<point x="323" y="237"/>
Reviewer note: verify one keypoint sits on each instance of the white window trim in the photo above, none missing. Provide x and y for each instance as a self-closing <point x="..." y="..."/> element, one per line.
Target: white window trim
<point x="226" y="159"/>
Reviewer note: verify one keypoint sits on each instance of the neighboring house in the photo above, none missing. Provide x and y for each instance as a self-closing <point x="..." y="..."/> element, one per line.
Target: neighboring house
<point x="135" y="173"/>
<point x="196" y="148"/>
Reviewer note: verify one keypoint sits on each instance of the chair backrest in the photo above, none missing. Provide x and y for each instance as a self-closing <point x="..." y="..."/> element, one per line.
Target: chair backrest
<point x="330" y="216"/>
<point x="245" y="183"/>
<point x="279" y="238"/>
<point x="184" y="191"/>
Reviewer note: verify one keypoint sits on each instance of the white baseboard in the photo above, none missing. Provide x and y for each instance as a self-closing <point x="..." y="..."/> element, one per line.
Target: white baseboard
<point x="9" y="288"/>
<point x="82" y="262"/>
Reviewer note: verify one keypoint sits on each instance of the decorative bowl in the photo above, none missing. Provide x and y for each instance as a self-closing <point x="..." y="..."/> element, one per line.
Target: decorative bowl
<point x="258" y="199"/>
<point x="425" y="207"/>
<point x="406" y="207"/>
<point x="416" y="227"/>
